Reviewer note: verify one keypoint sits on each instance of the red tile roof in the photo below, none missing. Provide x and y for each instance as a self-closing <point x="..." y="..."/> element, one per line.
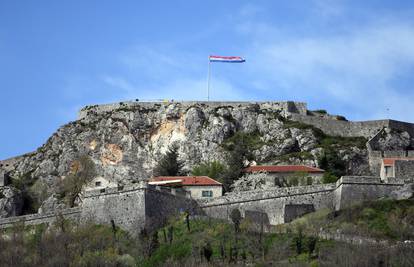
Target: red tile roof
<point x="391" y="161"/>
<point x="188" y="180"/>
<point x="283" y="168"/>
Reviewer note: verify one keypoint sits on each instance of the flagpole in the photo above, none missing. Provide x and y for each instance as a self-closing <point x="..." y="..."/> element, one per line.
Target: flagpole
<point x="208" y="80"/>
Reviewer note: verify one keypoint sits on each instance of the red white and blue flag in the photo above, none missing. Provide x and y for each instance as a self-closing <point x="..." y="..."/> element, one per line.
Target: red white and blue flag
<point x="226" y="59"/>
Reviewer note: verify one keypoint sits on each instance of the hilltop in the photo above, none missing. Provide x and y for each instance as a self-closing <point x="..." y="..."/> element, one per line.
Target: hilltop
<point x="125" y="140"/>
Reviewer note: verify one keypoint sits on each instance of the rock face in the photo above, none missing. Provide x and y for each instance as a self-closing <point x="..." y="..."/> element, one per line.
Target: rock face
<point x="11" y="202"/>
<point x="126" y="142"/>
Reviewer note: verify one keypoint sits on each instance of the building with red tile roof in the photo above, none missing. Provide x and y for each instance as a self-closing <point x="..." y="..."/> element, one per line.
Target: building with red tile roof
<point x="284" y="175"/>
<point x="197" y="186"/>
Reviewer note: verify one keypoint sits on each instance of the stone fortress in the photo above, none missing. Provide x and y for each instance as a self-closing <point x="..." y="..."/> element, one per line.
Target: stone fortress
<point x="135" y="206"/>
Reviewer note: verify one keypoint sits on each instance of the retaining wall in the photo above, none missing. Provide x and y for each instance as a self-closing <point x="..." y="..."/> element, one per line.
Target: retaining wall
<point x="347" y="191"/>
<point x="34" y="219"/>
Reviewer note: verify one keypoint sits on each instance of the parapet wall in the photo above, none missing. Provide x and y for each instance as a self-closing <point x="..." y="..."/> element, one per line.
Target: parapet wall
<point x="133" y="207"/>
<point x="347" y="191"/>
<point x="271" y="202"/>
<point x="287" y="106"/>
<point x="34" y="219"/>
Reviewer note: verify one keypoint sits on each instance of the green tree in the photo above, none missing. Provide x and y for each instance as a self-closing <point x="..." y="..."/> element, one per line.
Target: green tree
<point x="169" y="164"/>
<point x="212" y="169"/>
<point x="239" y="148"/>
<point x="332" y="163"/>
<point x="82" y="172"/>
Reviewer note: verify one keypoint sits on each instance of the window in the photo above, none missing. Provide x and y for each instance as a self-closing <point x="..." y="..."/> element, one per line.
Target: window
<point x="208" y="193"/>
<point x="388" y="171"/>
<point x="98" y="183"/>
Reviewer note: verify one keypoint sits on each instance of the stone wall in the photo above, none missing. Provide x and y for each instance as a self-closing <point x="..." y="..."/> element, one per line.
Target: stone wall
<point x="271" y="202"/>
<point x="34" y="219"/>
<point x="287" y="106"/>
<point x="125" y="206"/>
<point x="293" y="211"/>
<point x="355" y="189"/>
<point x="352" y="128"/>
<point x="160" y="206"/>
<point x="347" y="191"/>
<point x="404" y="170"/>
<point x="134" y="207"/>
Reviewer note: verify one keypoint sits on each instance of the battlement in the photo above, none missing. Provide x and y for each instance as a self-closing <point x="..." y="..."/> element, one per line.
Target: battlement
<point x="287" y="106"/>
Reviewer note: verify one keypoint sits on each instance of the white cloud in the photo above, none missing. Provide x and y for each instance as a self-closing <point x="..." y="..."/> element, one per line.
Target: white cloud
<point x="357" y="69"/>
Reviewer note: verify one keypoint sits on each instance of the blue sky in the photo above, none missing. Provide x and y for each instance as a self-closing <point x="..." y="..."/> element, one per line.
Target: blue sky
<point x="354" y="58"/>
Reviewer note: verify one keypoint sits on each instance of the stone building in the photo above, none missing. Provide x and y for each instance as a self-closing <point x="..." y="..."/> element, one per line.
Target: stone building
<point x="280" y="175"/>
<point x="100" y="183"/>
<point x="397" y="169"/>
<point x="198" y="187"/>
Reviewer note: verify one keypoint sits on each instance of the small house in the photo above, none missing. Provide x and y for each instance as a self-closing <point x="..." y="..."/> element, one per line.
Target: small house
<point x="282" y="175"/>
<point x="100" y="183"/>
<point x="196" y="186"/>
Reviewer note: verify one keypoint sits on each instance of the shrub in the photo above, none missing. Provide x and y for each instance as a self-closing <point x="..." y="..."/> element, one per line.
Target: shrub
<point x="329" y="178"/>
<point x="82" y="172"/>
<point x="321" y="111"/>
<point x="212" y="169"/>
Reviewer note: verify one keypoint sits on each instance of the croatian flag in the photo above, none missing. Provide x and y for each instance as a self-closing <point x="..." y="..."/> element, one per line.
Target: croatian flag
<point x="226" y="59"/>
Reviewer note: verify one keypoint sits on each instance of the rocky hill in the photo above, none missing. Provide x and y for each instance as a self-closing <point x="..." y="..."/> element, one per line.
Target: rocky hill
<point x="125" y="141"/>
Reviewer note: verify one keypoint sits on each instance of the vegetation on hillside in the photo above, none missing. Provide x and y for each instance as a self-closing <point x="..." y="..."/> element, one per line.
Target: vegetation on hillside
<point x="82" y="171"/>
<point x="213" y="169"/>
<point x="169" y="164"/>
<point x="203" y="242"/>
<point x="383" y="219"/>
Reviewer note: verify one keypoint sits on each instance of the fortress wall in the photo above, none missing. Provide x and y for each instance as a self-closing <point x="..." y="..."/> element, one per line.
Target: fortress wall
<point x="395" y="154"/>
<point x="160" y="206"/>
<point x="347" y="191"/>
<point x="288" y="106"/>
<point x="34" y="219"/>
<point x="272" y="202"/>
<point x="404" y="170"/>
<point x="126" y="208"/>
<point x="342" y="128"/>
<point x="355" y="189"/>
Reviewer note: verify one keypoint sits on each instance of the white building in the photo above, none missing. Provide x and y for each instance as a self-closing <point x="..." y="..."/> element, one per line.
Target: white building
<point x="196" y="186"/>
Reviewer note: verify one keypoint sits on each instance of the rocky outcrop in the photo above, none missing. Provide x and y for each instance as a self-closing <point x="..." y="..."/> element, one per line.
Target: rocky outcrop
<point x="11" y="202"/>
<point x="125" y="142"/>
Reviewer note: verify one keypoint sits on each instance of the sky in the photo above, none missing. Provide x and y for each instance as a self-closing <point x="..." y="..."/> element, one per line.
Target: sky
<point x="353" y="58"/>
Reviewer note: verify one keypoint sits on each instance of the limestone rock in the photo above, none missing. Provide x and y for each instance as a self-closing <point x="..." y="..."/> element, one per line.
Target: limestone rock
<point x="126" y="141"/>
<point x="51" y="204"/>
<point x="254" y="181"/>
<point x="11" y="202"/>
